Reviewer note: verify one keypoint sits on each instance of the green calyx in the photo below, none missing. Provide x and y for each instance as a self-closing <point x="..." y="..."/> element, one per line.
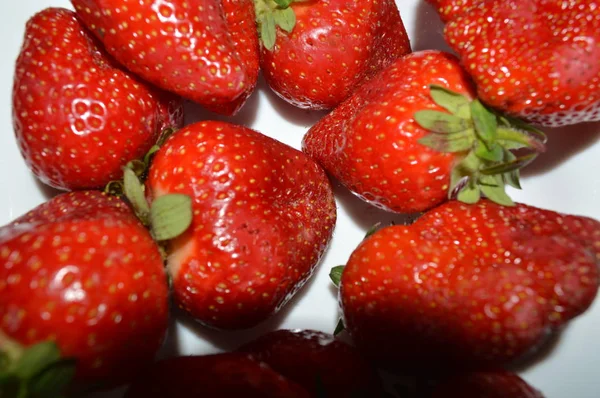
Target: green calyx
<point x="271" y="14"/>
<point x="34" y="372"/>
<point x="485" y="139"/>
<point x="169" y="215"/>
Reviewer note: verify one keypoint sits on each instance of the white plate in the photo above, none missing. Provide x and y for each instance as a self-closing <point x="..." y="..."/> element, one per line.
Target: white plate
<point x="564" y="179"/>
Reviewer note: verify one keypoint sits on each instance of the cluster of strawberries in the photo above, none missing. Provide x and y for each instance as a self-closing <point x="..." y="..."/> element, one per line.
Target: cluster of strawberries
<point x="241" y="220"/>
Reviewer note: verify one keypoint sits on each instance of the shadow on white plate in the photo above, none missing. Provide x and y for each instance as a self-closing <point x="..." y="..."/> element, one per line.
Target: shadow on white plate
<point x="563" y="144"/>
<point x="248" y="114"/>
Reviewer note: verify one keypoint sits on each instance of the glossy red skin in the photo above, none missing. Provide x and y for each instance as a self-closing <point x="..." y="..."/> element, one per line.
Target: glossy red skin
<point x="469" y="286"/>
<point x="219" y="375"/>
<point x="448" y="8"/>
<point x="82" y="271"/>
<point x="308" y="357"/>
<point x="204" y="50"/>
<point x="264" y="215"/>
<point x="494" y="384"/>
<point x="533" y="59"/>
<point x="78" y="117"/>
<point x="334" y="46"/>
<point x="370" y="142"/>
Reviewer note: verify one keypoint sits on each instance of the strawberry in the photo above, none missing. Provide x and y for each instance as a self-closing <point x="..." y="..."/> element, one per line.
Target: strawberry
<point x="315" y="53"/>
<point x="492" y="384"/>
<point x="415" y="135"/>
<point x="316" y="361"/>
<point x="80" y="271"/>
<point x="469" y="286"/>
<point x="534" y="59"/>
<point x="217" y="375"/>
<point x="263" y="216"/>
<point x="203" y="50"/>
<point x="79" y="117"/>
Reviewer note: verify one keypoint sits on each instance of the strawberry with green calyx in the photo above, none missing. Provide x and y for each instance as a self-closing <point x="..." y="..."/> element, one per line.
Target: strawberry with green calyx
<point x="81" y="272"/>
<point x="415" y="135"/>
<point x="263" y="216"/>
<point x="315" y="53"/>
<point x="166" y="218"/>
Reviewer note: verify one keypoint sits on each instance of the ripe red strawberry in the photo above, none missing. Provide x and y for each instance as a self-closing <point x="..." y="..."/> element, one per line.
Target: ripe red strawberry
<point x="534" y="59"/>
<point x="471" y="286"/>
<point x="203" y="50"/>
<point x="263" y="216"/>
<point x="78" y="117"/>
<point x="406" y="140"/>
<point x="493" y="384"/>
<point x="323" y="49"/>
<point x="218" y="375"/>
<point x="317" y="361"/>
<point x="81" y="271"/>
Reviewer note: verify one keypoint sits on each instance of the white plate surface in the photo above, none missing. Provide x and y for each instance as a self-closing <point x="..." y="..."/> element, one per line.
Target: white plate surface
<point x="565" y="179"/>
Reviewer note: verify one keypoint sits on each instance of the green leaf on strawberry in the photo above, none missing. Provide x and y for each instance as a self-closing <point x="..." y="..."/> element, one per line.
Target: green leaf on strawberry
<point x="53" y="380"/>
<point x="336" y="274"/>
<point x="485" y="138"/>
<point x="37" y="371"/>
<point x="267" y="30"/>
<point x="440" y="122"/>
<point x="454" y="103"/>
<point x="285" y="19"/>
<point x="485" y="123"/>
<point x="339" y="328"/>
<point x="170" y="216"/>
<point x="134" y="192"/>
<point x="271" y="14"/>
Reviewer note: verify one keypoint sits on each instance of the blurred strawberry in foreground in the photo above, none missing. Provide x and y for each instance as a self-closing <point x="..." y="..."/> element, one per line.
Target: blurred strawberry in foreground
<point x="204" y="50"/>
<point x="82" y="272"/>
<point x="263" y="216"/>
<point x="534" y="59"/>
<point x="469" y="286"/>
<point x="318" y="362"/>
<point x="493" y="384"/>
<point x="315" y="53"/>
<point x="219" y="375"/>
<point x="415" y="135"/>
<point x="78" y="116"/>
